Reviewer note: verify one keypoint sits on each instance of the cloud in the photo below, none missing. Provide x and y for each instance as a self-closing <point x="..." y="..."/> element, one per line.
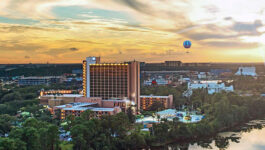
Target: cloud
<point x="247" y="28"/>
<point x="228" y="18"/>
<point x="78" y="41"/>
<point x="123" y="29"/>
<point x="19" y="45"/>
<point x="74" y="49"/>
<point x="136" y="5"/>
<point x="27" y="57"/>
<point x="205" y="36"/>
<point x="56" y="51"/>
<point x="216" y="32"/>
<point x="212" y="9"/>
<point x="22" y="28"/>
<point x="60" y="51"/>
<point x="231" y="44"/>
<point x="148" y="29"/>
<point x="85" y="23"/>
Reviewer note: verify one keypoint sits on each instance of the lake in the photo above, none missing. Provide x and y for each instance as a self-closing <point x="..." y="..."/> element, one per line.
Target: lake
<point x="250" y="136"/>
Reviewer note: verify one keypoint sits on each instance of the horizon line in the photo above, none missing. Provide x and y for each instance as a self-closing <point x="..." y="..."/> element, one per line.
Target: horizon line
<point x="129" y="61"/>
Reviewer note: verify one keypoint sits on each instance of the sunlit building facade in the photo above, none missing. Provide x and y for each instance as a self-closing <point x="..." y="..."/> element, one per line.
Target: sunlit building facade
<point x="146" y="101"/>
<point x="86" y="73"/>
<point x="112" y="80"/>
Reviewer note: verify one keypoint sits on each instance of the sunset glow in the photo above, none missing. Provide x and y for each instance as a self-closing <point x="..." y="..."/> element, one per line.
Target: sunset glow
<point x="66" y="31"/>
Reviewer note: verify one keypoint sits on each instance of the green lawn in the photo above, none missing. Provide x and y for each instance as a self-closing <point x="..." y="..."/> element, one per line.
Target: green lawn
<point x="66" y="146"/>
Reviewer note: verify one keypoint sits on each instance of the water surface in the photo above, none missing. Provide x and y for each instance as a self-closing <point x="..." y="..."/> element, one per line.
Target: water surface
<point x="251" y="136"/>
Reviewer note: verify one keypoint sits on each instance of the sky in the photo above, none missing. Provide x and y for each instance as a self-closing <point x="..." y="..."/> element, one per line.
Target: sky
<point x="67" y="31"/>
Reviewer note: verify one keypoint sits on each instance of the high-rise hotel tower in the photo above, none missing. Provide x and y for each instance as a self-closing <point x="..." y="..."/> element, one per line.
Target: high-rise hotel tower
<point x="111" y="80"/>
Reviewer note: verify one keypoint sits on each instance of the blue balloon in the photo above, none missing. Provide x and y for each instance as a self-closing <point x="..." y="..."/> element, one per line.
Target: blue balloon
<point x="187" y="44"/>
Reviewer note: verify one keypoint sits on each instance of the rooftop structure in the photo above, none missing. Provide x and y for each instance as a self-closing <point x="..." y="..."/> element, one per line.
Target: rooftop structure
<point x="51" y="101"/>
<point x="64" y="95"/>
<point x="58" y="99"/>
<point x="123" y="104"/>
<point x="77" y="109"/>
<point x="73" y="106"/>
<point x="43" y="92"/>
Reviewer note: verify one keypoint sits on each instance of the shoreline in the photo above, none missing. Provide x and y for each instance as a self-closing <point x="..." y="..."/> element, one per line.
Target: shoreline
<point x="194" y="139"/>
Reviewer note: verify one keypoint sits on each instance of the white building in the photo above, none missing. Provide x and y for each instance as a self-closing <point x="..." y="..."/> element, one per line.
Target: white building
<point x="202" y="75"/>
<point x="86" y="73"/>
<point x="158" y="81"/>
<point x="246" y="71"/>
<point x="213" y="86"/>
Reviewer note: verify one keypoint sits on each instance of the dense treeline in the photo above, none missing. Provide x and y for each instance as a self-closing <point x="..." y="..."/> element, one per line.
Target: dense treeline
<point x="205" y="68"/>
<point x="109" y="132"/>
<point x="255" y="85"/>
<point x="32" y="135"/>
<point x="13" y="97"/>
<point x="39" y="70"/>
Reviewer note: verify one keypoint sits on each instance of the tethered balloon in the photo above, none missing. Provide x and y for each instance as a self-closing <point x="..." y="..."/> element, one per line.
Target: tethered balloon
<point x="187" y="44"/>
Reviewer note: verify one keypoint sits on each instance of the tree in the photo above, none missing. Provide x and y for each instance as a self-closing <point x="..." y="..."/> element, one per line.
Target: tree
<point x="131" y="115"/>
<point x="119" y="124"/>
<point x="161" y="131"/>
<point x="37" y="135"/>
<point x="11" y="97"/>
<point x="221" y="143"/>
<point x="31" y="137"/>
<point x="135" y="140"/>
<point x="31" y="122"/>
<point x="79" y="133"/>
<point x="11" y="144"/>
<point x="87" y="115"/>
<point x="30" y="96"/>
<point x="6" y="123"/>
<point x="49" y="137"/>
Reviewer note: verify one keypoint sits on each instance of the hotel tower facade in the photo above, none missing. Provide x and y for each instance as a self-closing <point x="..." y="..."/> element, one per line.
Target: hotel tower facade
<point x="111" y="80"/>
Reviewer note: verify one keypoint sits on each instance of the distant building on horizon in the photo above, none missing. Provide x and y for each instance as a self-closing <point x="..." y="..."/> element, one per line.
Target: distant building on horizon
<point x="156" y="81"/>
<point x="77" y="71"/>
<point x="246" y="71"/>
<point x="111" y="80"/>
<point x="173" y="63"/>
<point x="46" y="80"/>
<point x="212" y="86"/>
<point x="218" y="72"/>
